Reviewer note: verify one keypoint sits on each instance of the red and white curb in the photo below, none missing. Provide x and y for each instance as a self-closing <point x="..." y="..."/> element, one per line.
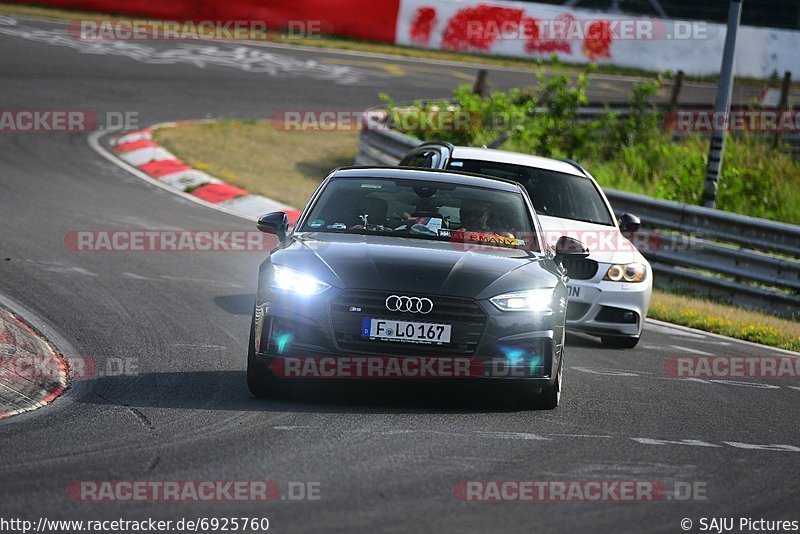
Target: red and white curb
<point x="138" y="150"/>
<point x="32" y="374"/>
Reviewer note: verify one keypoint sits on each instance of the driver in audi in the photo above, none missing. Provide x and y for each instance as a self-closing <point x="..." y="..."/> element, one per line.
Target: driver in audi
<point x="474" y="215"/>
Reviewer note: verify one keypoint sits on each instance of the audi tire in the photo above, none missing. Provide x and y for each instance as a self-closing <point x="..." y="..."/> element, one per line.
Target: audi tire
<point x="543" y="398"/>
<point x="550" y="397"/>
<point x="260" y="380"/>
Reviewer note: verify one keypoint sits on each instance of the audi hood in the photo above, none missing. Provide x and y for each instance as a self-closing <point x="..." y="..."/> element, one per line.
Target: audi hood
<point x="413" y="265"/>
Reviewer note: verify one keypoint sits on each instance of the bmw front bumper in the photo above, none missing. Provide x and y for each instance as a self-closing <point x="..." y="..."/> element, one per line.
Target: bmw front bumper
<point x="604" y="307"/>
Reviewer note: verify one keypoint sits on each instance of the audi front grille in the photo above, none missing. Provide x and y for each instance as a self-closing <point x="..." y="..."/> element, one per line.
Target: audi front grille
<point x="465" y="315"/>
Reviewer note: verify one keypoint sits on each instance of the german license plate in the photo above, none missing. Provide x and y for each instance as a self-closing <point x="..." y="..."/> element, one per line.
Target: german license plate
<point x="405" y="331"/>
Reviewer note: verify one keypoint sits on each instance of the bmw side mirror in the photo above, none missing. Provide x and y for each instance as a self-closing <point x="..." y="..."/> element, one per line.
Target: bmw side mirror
<point x="629" y="222"/>
<point x="276" y="223"/>
<point x="570" y="248"/>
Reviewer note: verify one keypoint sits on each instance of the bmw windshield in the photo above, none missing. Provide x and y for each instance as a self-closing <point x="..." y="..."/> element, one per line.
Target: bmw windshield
<point x="424" y="210"/>
<point x="555" y="194"/>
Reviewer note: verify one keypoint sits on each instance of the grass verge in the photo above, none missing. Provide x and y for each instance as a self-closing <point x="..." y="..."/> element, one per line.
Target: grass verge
<point x="287" y="166"/>
<point x="725" y="319"/>
<point x="343" y="43"/>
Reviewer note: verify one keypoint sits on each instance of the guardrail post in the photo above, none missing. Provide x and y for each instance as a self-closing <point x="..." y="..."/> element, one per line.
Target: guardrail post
<point x="677" y="84"/>
<point x="723" y="104"/>
<point x="783" y="106"/>
<point x="480" y="83"/>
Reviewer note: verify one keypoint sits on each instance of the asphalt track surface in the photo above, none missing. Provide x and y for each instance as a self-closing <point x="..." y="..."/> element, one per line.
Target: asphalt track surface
<point x="386" y="456"/>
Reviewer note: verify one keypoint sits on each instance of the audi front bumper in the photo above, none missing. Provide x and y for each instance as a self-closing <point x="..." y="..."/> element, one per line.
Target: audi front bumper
<point x="515" y="346"/>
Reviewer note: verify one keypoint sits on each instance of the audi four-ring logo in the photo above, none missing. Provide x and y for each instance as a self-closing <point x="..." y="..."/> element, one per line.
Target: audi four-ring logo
<point x="409" y="304"/>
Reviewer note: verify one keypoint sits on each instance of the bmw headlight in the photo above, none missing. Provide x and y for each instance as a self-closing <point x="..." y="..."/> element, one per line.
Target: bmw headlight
<point x="297" y="281"/>
<point x="630" y="272"/>
<point x="535" y="300"/>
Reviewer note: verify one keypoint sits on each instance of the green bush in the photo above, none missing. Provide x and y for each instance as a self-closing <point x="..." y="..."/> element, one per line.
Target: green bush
<point x="631" y="152"/>
<point x="756" y="179"/>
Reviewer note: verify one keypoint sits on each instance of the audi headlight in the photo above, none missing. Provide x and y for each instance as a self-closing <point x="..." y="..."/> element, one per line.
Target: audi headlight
<point x="536" y="300"/>
<point x="296" y="281"/>
<point x="631" y="272"/>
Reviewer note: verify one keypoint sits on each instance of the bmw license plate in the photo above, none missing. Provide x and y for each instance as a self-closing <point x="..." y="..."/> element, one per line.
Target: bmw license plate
<point x="405" y="331"/>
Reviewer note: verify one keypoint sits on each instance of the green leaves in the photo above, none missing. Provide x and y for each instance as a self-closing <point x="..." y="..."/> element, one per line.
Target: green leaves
<point x="629" y="151"/>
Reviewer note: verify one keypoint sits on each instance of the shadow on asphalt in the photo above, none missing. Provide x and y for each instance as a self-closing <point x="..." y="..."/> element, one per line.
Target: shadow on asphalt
<point x="583" y="340"/>
<point x="241" y="304"/>
<point x="227" y="390"/>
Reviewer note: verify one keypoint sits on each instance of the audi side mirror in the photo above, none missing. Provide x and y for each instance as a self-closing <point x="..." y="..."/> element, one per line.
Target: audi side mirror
<point x="570" y="248"/>
<point x="276" y="223"/>
<point x="629" y="223"/>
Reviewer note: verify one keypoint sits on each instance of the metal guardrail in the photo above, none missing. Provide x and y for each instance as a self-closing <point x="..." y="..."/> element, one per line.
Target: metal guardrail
<point x="749" y="232"/>
<point x="754" y="262"/>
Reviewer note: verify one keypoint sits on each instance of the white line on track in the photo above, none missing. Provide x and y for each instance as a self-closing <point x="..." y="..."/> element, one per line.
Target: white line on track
<point x="135" y="276"/>
<point x="670" y="330"/>
<point x="598" y="436"/>
<point x="665" y="328"/>
<point x="198" y="346"/>
<point x="208" y="281"/>
<point x="693" y="351"/>
<point x="526" y="436"/>
<point x="511" y="435"/>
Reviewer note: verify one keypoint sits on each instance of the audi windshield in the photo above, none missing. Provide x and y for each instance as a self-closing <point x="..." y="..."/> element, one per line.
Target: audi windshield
<point x="423" y="210"/>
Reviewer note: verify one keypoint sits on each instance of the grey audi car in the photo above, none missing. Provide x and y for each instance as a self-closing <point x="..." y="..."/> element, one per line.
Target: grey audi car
<point x="412" y="265"/>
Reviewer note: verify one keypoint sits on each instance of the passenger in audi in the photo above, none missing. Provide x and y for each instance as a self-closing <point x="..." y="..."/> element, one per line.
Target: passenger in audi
<point x="474" y="215"/>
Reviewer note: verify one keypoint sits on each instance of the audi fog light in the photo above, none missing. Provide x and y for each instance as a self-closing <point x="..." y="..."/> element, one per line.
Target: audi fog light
<point x="536" y="300"/>
<point x="297" y="282"/>
<point x="631" y="272"/>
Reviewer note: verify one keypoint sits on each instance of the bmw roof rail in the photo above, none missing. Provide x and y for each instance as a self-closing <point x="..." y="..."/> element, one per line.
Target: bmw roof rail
<point x="574" y="164"/>
<point x="447" y="144"/>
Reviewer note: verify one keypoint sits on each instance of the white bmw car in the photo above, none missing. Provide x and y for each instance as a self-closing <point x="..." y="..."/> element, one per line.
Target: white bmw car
<point x="609" y="292"/>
